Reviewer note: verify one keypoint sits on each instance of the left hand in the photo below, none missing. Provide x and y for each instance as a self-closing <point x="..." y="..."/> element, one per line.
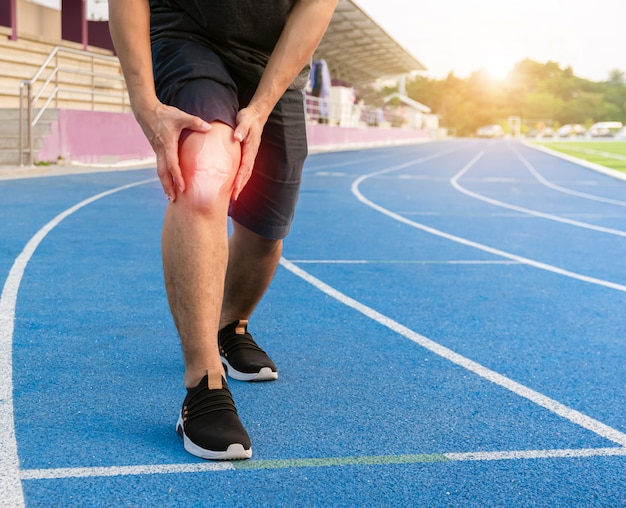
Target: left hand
<point x="250" y="123"/>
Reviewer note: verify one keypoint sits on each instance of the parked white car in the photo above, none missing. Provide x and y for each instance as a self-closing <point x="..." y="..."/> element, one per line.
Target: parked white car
<point x="604" y="129"/>
<point x="571" y="130"/>
<point x="490" y="131"/>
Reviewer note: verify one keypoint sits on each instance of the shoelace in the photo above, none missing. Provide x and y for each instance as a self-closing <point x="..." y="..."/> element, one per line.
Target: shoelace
<point x="234" y="342"/>
<point x="207" y="401"/>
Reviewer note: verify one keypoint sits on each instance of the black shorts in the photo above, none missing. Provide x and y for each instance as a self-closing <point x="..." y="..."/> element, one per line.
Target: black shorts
<point x="191" y="77"/>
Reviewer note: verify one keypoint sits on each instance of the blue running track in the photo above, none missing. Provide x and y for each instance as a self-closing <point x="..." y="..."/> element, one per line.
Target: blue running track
<point x="448" y="321"/>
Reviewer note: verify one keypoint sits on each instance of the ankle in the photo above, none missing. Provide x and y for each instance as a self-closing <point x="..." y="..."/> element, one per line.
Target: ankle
<point x="193" y="377"/>
<point x="224" y="322"/>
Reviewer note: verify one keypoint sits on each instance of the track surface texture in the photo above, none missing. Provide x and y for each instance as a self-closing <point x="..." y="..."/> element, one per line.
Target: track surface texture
<point x="448" y="323"/>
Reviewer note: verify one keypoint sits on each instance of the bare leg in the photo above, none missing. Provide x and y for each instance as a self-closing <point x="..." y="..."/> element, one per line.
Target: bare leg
<point x="195" y="246"/>
<point x="252" y="262"/>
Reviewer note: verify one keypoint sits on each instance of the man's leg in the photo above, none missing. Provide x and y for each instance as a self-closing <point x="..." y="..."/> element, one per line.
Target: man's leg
<point x="194" y="246"/>
<point x="265" y="207"/>
<point x="252" y="262"/>
<point x="195" y="254"/>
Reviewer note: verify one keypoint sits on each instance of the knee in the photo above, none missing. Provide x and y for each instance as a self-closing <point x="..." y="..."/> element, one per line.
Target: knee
<point x="209" y="162"/>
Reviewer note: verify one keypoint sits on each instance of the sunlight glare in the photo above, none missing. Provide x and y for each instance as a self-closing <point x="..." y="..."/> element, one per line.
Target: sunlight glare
<point x="498" y="66"/>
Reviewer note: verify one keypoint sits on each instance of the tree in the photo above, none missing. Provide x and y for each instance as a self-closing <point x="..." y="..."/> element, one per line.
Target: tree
<point x="533" y="91"/>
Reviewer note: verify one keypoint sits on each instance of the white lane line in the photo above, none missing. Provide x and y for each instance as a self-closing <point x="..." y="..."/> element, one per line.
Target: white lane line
<point x="454" y="181"/>
<point x="470" y="243"/>
<point x="537" y="454"/>
<point x="620" y="175"/>
<point x="87" y="472"/>
<point x="401" y="262"/>
<point x="330" y="173"/>
<point x="551" y="405"/>
<point x="417" y="177"/>
<point x="299" y="463"/>
<point x="591" y="151"/>
<point x="564" y="190"/>
<point x="10" y="485"/>
<point x="417" y="161"/>
<point x="500" y="180"/>
<point x="352" y="161"/>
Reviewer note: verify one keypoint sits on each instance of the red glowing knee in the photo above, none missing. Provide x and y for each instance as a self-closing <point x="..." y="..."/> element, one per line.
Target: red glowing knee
<point x="208" y="163"/>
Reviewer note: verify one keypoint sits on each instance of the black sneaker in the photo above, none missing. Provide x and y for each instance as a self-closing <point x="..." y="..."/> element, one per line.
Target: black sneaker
<point x="243" y="359"/>
<point x="209" y="424"/>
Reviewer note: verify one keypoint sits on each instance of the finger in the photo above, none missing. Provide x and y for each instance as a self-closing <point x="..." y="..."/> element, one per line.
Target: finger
<point x="240" y="134"/>
<point x="197" y="124"/>
<point x="187" y="121"/>
<point x="176" y="173"/>
<point x="166" y="179"/>
<point x="242" y="130"/>
<point x="244" y="173"/>
<point x="183" y="120"/>
<point x="238" y="187"/>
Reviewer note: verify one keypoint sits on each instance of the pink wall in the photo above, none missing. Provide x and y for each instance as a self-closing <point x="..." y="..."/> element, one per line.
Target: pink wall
<point x="331" y="136"/>
<point x="95" y="137"/>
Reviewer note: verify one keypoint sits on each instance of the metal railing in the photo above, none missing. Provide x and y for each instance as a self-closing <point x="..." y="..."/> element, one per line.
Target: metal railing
<point x="50" y="81"/>
<point x="328" y="111"/>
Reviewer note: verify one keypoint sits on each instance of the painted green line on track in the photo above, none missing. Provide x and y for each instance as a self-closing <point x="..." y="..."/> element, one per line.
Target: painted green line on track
<point x="374" y="460"/>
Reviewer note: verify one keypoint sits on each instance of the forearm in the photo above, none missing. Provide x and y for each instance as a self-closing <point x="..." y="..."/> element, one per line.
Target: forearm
<point x="129" y="23"/>
<point x="301" y="35"/>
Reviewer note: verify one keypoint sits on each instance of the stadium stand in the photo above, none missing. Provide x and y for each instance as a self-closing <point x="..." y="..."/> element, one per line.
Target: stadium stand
<point x="63" y="67"/>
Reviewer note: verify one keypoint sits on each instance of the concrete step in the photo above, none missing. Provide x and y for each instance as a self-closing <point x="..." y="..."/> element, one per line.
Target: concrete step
<point x="10" y="130"/>
<point x="9" y="157"/>
<point x="19" y="60"/>
<point x="10" y="139"/>
<point x="13" y="142"/>
<point x="10" y="114"/>
<point x="9" y="133"/>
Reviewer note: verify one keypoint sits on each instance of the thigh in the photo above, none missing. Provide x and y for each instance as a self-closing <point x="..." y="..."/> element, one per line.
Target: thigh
<point x="267" y="204"/>
<point x="191" y="77"/>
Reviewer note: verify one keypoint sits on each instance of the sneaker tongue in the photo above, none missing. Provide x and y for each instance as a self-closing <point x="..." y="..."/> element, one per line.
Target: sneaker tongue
<point x="240" y="329"/>
<point x="214" y="379"/>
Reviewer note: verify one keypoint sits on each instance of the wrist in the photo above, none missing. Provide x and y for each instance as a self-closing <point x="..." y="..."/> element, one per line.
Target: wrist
<point x="142" y="95"/>
<point x="261" y="108"/>
<point x="144" y="107"/>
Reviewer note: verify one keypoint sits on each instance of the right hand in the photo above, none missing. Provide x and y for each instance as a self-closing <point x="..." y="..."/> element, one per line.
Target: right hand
<point x="163" y="126"/>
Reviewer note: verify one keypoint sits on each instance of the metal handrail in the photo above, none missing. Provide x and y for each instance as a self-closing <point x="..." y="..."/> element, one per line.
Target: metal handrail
<point x="29" y="99"/>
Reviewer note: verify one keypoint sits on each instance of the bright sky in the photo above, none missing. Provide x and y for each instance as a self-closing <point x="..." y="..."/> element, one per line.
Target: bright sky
<point x="467" y="35"/>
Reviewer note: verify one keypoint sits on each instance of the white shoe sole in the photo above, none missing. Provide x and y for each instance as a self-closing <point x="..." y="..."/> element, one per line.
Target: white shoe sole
<point x="235" y="451"/>
<point x="265" y="374"/>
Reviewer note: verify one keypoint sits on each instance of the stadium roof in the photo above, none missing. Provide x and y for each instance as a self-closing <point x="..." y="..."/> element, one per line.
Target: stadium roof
<point x="358" y="50"/>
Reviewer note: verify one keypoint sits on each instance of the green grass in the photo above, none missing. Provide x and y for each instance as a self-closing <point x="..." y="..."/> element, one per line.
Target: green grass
<point x="611" y="154"/>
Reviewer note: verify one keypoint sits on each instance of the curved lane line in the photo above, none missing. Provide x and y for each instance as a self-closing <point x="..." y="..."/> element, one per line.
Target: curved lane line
<point x="613" y="173"/>
<point x="470" y="243"/>
<point x="454" y="181"/>
<point x="564" y="190"/>
<point x="11" y="493"/>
